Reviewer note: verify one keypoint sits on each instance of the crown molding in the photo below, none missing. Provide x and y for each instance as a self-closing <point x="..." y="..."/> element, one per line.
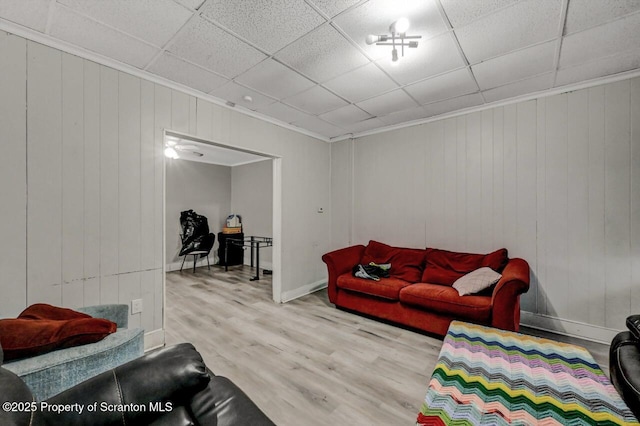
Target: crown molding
<point x="522" y="98"/>
<point x="38" y="37"/>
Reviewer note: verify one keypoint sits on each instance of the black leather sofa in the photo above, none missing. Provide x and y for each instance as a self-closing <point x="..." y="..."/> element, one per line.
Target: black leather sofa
<point x="624" y="364"/>
<point x="171" y="386"/>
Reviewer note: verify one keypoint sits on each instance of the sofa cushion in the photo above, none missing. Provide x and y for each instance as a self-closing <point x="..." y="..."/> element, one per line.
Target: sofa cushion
<point x="446" y="300"/>
<point x="406" y="263"/>
<point x="476" y="281"/>
<point x="28" y="337"/>
<point x="445" y="267"/>
<point x="387" y="288"/>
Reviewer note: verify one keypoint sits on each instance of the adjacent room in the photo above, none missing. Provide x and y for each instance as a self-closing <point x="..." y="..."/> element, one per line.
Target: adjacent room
<point x="292" y="212"/>
<point x="230" y="191"/>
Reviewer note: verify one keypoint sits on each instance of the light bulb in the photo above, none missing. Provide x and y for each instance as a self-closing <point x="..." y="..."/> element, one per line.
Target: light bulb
<point x="394" y="55"/>
<point x="400" y="26"/>
<point x="372" y="39"/>
<point x="169" y="152"/>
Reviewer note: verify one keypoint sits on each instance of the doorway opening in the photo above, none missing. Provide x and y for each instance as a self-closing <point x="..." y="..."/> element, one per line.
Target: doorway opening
<point x="217" y="180"/>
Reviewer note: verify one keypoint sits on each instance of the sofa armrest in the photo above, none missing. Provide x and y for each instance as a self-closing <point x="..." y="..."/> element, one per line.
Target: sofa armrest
<point x="118" y="313"/>
<point x="339" y="262"/>
<point x="168" y="377"/>
<point x="624" y="368"/>
<point x="223" y="403"/>
<point x="505" y="300"/>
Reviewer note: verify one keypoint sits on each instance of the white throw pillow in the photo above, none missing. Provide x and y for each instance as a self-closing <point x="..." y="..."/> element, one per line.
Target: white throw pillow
<point x="476" y="281"/>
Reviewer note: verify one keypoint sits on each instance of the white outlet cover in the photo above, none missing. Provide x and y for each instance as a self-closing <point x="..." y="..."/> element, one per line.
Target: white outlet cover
<point x="136" y="306"/>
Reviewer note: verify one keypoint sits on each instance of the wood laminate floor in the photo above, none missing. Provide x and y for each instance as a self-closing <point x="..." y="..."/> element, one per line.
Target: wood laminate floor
<point x="304" y="362"/>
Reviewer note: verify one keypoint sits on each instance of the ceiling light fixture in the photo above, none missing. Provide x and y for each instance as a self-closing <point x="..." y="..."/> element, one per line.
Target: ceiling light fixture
<point x="169" y="152"/>
<point x="398" y="32"/>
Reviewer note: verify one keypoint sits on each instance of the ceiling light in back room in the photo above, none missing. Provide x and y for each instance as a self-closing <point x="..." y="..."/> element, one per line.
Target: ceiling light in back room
<point x="169" y="152"/>
<point x="247" y="98"/>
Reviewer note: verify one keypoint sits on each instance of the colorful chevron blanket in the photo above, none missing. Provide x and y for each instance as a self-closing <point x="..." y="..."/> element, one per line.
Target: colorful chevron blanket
<point x="486" y="376"/>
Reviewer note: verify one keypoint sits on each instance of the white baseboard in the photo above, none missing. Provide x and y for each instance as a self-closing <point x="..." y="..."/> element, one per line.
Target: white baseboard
<point x="288" y="296"/>
<point x="153" y="340"/>
<point x="582" y="330"/>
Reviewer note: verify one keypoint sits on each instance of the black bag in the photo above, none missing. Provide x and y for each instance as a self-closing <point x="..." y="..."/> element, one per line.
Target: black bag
<point x="195" y="228"/>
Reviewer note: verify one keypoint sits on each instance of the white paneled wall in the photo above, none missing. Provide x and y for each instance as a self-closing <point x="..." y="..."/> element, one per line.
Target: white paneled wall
<point x="82" y="204"/>
<point x="341" y="197"/>
<point x="44" y="174"/>
<point x="555" y="180"/>
<point x="82" y="166"/>
<point x="13" y="167"/>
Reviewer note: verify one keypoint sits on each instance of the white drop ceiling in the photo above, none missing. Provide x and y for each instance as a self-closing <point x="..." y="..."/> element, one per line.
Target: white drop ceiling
<point x="306" y="63"/>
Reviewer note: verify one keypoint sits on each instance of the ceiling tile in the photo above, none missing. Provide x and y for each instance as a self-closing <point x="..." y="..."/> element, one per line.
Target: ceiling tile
<point x="515" y="66"/>
<point x="461" y="102"/>
<point x="32" y="14"/>
<point x="431" y="57"/>
<point x="521" y="25"/>
<point x="599" y="68"/>
<point x="583" y="14"/>
<point x="154" y="21"/>
<point x="191" y="4"/>
<point x="387" y="103"/>
<point x="275" y="79"/>
<point x="283" y="112"/>
<point x="365" y="125"/>
<point x="176" y="69"/>
<point x="84" y="32"/>
<point x="332" y="7"/>
<point x="235" y="93"/>
<point x="345" y="116"/>
<point x="410" y="114"/>
<point x="316" y="100"/>
<point x="203" y="43"/>
<point x="322" y="54"/>
<point x="375" y="17"/>
<point x="461" y="13"/>
<point x="606" y="40"/>
<point x="531" y="85"/>
<point x="445" y="86"/>
<point x="269" y="24"/>
<point x="362" y="83"/>
<point x="319" y="126"/>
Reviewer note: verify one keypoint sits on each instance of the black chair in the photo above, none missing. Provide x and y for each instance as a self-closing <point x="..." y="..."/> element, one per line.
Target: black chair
<point x="202" y="249"/>
<point x="171" y="386"/>
<point x="624" y="364"/>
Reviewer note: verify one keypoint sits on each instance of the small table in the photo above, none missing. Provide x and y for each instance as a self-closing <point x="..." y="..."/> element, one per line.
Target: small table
<point x="255" y="243"/>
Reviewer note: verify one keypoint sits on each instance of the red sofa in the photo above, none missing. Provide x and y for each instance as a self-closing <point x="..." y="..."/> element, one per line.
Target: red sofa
<point x="419" y="292"/>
